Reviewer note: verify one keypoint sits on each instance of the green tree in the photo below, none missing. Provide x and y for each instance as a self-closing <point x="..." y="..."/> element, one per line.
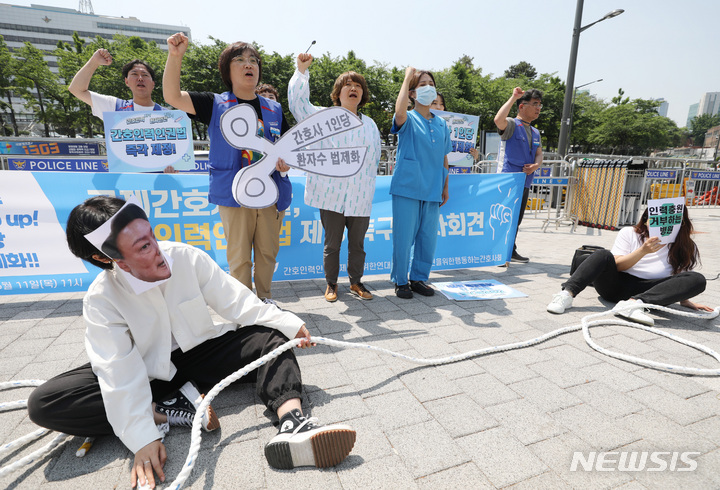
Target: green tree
<point x="630" y="128"/>
<point x="32" y="70"/>
<point x="700" y="126"/>
<point x="521" y="70"/>
<point x="8" y="87"/>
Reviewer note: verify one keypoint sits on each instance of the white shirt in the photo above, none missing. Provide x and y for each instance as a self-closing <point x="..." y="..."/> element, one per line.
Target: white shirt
<point x="106" y="103"/>
<point x="651" y="266"/>
<point x="351" y="196"/>
<point x="128" y="335"/>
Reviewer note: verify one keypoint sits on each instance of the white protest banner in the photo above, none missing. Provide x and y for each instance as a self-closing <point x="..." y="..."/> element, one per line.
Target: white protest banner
<point x="665" y="218"/>
<point x="148" y="141"/>
<point x="463" y="133"/>
<point x="252" y="186"/>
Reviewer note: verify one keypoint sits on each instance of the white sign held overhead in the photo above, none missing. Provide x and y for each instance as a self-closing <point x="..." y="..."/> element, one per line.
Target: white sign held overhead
<point x="252" y="186"/>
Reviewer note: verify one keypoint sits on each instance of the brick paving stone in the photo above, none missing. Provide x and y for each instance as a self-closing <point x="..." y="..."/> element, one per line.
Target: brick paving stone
<point x="615" y="377"/>
<point x="486" y="390"/>
<point x="594" y="427"/>
<point x="460" y="415"/>
<point x="505" y="368"/>
<point x="559" y="373"/>
<point x="544" y="394"/>
<point x="525" y="422"/>
<point x="426" y="448"/>
<point x="397" y="409"/>
<point x="546" y="481"/>
<point x="466" y="475"/>
<point x="557" y="453"/>
<point x="678" y="409"/>
<point x="606" y="399"/>
<point x="491" y="450"/>
<point x="388" y="472"/>
<point x="658" y="433"/>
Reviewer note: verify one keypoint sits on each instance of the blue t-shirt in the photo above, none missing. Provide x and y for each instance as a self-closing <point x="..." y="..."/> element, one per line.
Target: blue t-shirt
<point x="420" y="163"/>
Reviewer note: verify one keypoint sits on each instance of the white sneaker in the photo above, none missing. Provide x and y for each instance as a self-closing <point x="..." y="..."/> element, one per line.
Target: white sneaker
<point x="561" y="301"/>
<point x="632" y="310"/>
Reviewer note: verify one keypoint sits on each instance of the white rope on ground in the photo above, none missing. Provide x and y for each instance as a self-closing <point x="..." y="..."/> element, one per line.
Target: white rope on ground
<point x="586" y="322"/>
<point x="585" y="325"/>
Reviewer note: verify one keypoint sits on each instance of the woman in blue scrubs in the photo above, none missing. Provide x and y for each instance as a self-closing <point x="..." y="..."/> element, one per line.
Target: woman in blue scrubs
<point x="419" y="185"/>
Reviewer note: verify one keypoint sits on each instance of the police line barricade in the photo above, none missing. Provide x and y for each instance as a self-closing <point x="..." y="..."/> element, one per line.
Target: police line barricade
<point x="607" y="191"/>
<point x="702" y="187"/>
<point x="551" y="194"/>
<point x="75" y="164"/>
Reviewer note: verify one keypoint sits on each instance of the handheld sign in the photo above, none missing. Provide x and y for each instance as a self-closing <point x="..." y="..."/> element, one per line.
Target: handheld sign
<point x="665" y="218"/>
<point x="148" y="141"/>
<point x="252" y="186"/>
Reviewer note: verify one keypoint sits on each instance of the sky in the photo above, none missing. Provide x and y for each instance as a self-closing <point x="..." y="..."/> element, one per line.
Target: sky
<point x="655" y="49"/>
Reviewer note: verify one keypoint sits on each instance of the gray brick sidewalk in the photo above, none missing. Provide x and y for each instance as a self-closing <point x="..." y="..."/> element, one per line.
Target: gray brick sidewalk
<point x="512" y="419"/>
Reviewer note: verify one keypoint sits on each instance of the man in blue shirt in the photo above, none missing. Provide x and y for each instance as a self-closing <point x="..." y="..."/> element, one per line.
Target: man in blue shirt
<point x="521" y="144"/>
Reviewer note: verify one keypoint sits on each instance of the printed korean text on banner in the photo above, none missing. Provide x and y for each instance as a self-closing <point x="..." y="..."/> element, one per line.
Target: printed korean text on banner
<point x="43" y="148"/>
<point x="252" y="186"/>
<point x="476" y="290"/>
<point x="148" y="141"/>
<point x="665" y="218"/>
<point x="463" y="134"/>
<point x="475" y="229"/>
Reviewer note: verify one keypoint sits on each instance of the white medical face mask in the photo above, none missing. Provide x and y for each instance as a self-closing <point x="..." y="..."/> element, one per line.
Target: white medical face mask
<point x="425" y="94"/>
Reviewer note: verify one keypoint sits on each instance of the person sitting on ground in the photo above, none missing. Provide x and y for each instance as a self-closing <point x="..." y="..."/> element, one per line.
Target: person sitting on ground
<point x="344" y="202"/>
<point x="153" y="347"/>
<point x="639" y="269"/>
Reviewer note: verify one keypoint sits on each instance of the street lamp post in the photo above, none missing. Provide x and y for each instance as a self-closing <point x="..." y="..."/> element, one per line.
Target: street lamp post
<point x="572" y="110"/>
<point x="570" y="82"/>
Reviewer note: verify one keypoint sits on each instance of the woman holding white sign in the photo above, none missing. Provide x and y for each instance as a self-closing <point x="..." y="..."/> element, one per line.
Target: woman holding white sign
<point x="419" y="184"/>
<point x="639" y="269"/>
<point x="250" y="232"/>
<point x="343" y="202"/>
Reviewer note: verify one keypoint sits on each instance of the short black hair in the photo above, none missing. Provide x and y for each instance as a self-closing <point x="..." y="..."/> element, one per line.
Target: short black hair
<point x="129" y="66"/>
<point x="86" y="218"/>
<point x="529" y="95"/>
<point x="124" y="217"/>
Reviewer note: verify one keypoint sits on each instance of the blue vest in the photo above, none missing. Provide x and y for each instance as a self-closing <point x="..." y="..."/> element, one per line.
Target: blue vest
<point x="518" y="151"/>
<point x="129" y="105"/>
<point x="226" y="161"/>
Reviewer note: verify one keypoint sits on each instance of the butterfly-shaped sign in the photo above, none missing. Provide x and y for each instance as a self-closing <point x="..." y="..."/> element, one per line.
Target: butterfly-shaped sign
<point x="252" y="186"/>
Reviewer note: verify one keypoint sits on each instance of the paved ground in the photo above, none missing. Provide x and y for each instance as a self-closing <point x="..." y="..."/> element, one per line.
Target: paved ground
<point x="506" y="420"/>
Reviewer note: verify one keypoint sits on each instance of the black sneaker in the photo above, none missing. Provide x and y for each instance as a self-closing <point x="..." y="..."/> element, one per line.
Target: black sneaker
<point x="403" y="291"/>
<point x="516" y="257"/>
<point x="421" y="288"/>
<point x="302" y="442"/>
<point x="180" y="409"/>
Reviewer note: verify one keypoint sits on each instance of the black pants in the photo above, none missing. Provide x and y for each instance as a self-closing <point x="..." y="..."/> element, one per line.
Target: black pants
<point x="72" y="402"/>
<point x="523" y="205"/>
<point x="334" y="225"/>
<point x="601" y="270"/>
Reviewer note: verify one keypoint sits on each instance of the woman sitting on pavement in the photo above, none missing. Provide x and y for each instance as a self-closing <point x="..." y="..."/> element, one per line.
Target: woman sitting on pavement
<point x="639" y="269"/>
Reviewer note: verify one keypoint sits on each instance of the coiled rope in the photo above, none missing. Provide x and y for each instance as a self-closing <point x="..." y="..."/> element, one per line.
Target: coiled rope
<point x="586" y="322"/>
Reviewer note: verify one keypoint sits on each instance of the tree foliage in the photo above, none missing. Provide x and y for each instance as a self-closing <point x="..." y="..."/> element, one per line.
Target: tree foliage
<point x="700" y="126"/>
<point x="621" y="125"/>
<point x="521" y="70"/>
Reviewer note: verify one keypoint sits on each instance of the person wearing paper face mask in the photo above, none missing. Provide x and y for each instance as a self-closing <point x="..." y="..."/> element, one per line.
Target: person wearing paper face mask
<point x="419" y="184"/>
<point x="154" y="348"/>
